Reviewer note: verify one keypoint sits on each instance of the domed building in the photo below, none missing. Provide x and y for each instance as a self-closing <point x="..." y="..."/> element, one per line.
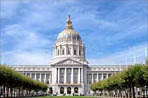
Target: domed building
<point x="69" y="45"/>
<point x="68" y="72"/>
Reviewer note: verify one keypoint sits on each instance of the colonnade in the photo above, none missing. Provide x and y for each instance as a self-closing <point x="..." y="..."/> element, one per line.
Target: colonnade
<point x="99" y="76"/>
<point x="78" y="79"/>
<point x="41" y="76"/>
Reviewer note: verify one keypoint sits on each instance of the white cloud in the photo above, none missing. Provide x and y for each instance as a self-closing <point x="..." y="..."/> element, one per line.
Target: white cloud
<point x="8" y="8"/>
<point x="120" y="58"/>
<point x="35" y="18"/>
<point x="26" y="58"/>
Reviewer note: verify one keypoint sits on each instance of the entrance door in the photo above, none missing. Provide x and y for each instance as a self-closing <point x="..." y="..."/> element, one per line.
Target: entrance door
<point x="76" y="90"/>
<point x="69" y="90"/>
<point x="62" y="90"/>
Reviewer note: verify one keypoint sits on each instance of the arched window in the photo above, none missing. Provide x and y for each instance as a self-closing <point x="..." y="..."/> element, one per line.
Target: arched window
<point x="62" y="90"/>
<point x="76" y="90"/>
<point x="63" y="52"/>
<point x="75" y="52"/>
<point x="69" y="90"/>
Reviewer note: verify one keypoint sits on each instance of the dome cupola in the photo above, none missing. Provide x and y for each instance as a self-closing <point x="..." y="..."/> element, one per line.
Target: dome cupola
<point x="69" y="45"/>
<point x="68" y="34"/>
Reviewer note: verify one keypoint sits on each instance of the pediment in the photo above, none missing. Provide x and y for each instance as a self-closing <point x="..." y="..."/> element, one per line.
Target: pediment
<point x="69" y="62"/>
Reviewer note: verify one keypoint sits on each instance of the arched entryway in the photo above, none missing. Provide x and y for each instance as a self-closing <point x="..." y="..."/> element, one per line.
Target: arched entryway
<point x="76" y="90"/>
<point x="62" y="90"/>
<point x="69" y="90"/>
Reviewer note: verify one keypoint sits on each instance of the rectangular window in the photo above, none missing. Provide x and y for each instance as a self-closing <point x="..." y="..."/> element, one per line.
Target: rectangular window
<point x="75" y="52"/>
<point x="62" y="75"/>
<point x="75" y="75"/>
<point x="68" y="74"/>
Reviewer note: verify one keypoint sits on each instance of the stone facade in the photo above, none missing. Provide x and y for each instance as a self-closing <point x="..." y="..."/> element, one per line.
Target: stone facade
<point x="68" y="72"/>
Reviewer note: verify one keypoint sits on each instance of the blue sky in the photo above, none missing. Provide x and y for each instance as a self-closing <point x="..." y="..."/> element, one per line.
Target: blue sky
<point x="113" y="31"/>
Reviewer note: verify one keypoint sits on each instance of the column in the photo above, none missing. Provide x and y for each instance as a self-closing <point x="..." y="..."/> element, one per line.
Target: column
<point x="82" y="79"/>
<point x="97" y="77"/>
<point x="71" y="75"/>
<point x="40" y="76"/>
<point x="72" y="50"/>
<point x="102" y="77"/>
<point x="92" y="78"/>
<point x="106" y="75"/>
<point x="78" y="50"/>
<point x="49" y="78"/>
<point x="65" y="80"/>
<point x="78" y="75"/>
<point x="34" y="76"/>
<point x="45" y="78"/>
<point x="58" y="75"/>
<point x="30" y="75"/>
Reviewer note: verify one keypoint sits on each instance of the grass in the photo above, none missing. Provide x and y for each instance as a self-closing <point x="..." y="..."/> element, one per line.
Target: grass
<point x="67" y="97"/>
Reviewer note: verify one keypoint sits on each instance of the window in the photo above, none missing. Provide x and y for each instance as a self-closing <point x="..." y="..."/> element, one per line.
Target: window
<point x="62" y="75"/>
<point x="62" y="90"/>
<point x="42" y="77"/>
<point x="76" y="90"/>
<point x="95" y="78"/>
<point x="75" y="76"/>
<point x="68" y="74"/>
<point x="69" y="90"/>
<point x="63" y="52"/>
<point x="80" y="52"/>
<point x="69" y="51"/>
<point x="89" y="78"/>
<point x="75" y="52"/>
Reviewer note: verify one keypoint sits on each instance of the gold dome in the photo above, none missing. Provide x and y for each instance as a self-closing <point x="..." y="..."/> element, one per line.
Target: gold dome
<point x="68" y="34"/>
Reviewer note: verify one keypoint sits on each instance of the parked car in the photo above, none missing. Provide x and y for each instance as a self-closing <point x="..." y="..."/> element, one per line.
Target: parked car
<point x="82" y="94"/>
<point x="54" y="94"/>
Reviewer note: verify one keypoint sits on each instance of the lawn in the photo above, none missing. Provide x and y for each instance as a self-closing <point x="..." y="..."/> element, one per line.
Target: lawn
<point x="67" y="97"/>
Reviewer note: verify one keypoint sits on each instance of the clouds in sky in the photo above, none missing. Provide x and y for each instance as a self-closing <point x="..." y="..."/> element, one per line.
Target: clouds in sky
<point x="111" y="30"/>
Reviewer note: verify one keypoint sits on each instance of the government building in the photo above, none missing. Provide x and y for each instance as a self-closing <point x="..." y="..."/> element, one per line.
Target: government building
<point x="68" y="72"/>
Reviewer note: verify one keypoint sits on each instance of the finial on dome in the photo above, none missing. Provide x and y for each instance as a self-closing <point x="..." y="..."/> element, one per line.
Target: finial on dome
<point x="69" y="23"/>
<point x="68" y="16"/>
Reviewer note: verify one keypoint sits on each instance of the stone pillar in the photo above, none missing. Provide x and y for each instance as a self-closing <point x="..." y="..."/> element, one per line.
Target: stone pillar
<point x="97" y="77"/>
<point x="78" y="75"/>
<point x="102" y="77"/>
<point x="71" y="75"/>
<point x="60" y="50"/>
<point x="106" y="75"/>
<point x="40" y="77"/>
<point x="72" y="50"/>
<point x="49" y="80"/>
<point x="50" y="77"/>
<point x="34" y="76"/>
<point x="78" y="50"/>
<point x="30" y="76"/>
<point x="82" y="78"/>
<point x="45" y="78"/>
<point x="58" y="75"/>
<point x="65" y="80"/>
<point x="92" y="78"/>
